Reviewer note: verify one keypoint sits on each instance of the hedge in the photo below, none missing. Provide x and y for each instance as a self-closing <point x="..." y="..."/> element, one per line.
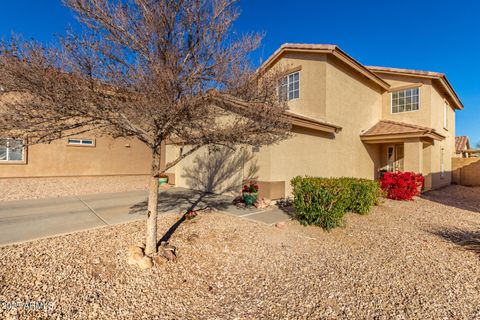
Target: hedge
<point x="324" y="201"/>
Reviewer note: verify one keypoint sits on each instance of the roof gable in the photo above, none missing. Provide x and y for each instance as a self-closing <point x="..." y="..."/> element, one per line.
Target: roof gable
<point x="438" y="77"/>
<point x="328" y="49"/>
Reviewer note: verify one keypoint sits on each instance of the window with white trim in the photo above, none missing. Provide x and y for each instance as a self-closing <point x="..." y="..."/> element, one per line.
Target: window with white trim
<point x="81" y="142"/>
<point x="405" y="100"/>
<point x="289" y="87"/>
<point x="445" y="115"/>
<point x="12" y="150"/>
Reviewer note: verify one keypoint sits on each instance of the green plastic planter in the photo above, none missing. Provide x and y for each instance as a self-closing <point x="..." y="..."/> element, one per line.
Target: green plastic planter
<point x="163" y="180"/>
<point x="250" y="197"/>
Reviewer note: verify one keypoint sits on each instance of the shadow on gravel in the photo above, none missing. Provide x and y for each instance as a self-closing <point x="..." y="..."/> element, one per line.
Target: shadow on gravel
<point x="465" y="198"/>
<point x="468" y="240"/>
<point x="182" y="201"/>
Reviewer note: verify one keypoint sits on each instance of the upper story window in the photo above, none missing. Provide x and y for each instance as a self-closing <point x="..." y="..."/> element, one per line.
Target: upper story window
<point x="289" y="87"/>
<point x="81" y="142"/>
<point x="12" y="150"/>
<point x="405" y="100"/>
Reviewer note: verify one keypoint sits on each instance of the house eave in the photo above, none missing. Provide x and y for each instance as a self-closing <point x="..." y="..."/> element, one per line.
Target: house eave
<point x="304" y="122"/>
<point x="401" y="137"/>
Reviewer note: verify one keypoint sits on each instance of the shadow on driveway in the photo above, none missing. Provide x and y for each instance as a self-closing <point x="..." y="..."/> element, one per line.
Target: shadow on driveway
<point x="182" y="200"/>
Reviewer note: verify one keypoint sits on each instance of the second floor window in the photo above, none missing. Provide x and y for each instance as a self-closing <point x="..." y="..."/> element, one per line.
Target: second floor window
<point x="289" y="87"/>
<point x="405" y="100"/>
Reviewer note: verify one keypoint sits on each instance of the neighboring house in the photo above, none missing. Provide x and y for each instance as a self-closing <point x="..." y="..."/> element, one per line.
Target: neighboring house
<point x="84" y="155"/>
<point x="462" y="145"/>
<point x="357" y="121"/>
<point x="348" y="120"/>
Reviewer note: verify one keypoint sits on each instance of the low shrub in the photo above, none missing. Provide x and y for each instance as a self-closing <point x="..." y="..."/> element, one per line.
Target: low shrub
<point x="324" y="201"/>
<point x="401" y="185"/>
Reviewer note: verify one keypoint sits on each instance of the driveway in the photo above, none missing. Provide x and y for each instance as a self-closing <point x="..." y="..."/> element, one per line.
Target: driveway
<point x="31" y="219"/>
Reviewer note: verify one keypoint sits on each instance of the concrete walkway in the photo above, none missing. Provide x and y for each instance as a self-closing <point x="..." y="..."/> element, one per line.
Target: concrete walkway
<point x="31" y="219"/>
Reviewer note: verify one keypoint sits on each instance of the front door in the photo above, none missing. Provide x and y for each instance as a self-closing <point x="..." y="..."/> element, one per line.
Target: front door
<point x="395" y="155"/>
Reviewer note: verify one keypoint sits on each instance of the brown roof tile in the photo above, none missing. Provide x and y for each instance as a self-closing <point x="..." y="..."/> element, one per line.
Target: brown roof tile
<point x="387" y="127"/>
<point x="461" y="143"/>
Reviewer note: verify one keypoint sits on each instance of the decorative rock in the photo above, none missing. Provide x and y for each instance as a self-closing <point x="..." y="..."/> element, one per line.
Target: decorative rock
<point x="134" y="249"/>
<point x="237" y="200"/>
<point x="145" y="263"/>
<point x="168" y="251"/>
<point x="281" y="224"/>
<point x="135" y="258"/>
<point x="159" y="260"/>
<point x="262" y="203"/>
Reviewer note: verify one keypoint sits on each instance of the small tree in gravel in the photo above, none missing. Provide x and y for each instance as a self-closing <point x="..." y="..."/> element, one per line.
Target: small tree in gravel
<point x="158" y="71"/>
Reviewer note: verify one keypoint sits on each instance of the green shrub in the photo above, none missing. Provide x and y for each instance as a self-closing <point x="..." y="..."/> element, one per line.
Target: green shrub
<point x="324" y="201"/>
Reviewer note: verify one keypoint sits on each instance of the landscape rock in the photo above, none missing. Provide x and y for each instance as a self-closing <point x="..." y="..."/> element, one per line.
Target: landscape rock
<point x="135" y="250"/>
<point x="145" y="263"/>
<point x="168" y="251"/>
<point x="237" y="200"/>
<point x="159" y="260"/>
<point x="262" y="203"/>
<point x="281" y="224"/>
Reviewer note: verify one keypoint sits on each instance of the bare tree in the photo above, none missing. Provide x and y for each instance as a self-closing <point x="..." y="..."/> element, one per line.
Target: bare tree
<point x="158" y="71"/>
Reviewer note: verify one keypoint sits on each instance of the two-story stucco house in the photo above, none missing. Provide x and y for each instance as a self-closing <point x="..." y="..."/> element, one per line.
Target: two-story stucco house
<point x="349" y="120"/>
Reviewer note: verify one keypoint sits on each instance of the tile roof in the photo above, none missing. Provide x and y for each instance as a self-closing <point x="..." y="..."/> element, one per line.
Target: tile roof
<point x="387" y="127"/>
<point x="461" y="143"/>
<point x="410" y="71"/>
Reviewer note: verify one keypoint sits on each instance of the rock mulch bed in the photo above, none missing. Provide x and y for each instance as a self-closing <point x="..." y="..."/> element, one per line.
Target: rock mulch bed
<point x="38" y="188"/>
<point x="397" y="262"/>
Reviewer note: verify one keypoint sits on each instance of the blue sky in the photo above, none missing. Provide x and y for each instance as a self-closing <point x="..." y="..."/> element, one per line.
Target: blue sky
<point x="427" y="35"/>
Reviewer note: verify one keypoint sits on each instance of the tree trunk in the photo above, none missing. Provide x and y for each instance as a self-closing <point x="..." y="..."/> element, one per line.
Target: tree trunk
<point x="151" y="241"/>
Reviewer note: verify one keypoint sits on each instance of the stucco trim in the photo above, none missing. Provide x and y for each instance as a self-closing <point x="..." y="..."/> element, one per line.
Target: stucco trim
<point x="388" y="138"/>
<point x="409" y="86"/>
<point x="292" y="70"/>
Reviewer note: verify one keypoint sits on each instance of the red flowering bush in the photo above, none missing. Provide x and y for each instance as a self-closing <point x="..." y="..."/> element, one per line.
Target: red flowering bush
<point x="252" y="187"/>
<point x="401" y="185"/>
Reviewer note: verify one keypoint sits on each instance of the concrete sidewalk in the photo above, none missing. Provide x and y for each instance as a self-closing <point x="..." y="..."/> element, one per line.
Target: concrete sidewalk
<point x="31" y="219"/>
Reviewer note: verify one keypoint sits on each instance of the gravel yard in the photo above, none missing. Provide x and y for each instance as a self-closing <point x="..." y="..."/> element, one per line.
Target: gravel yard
<point x="398" y="262"/>
<point x="38" y="188"/>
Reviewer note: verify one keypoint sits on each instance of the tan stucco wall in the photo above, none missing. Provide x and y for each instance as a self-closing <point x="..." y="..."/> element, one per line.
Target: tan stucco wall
<point x="108" y="157"/>
<point x="430" y="114"/>
<point x="312" y="99"/>
<point x="422" y="117"/>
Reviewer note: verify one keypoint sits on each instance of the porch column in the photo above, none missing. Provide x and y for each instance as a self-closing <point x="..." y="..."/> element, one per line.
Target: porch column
<point x="413" y="150"/>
